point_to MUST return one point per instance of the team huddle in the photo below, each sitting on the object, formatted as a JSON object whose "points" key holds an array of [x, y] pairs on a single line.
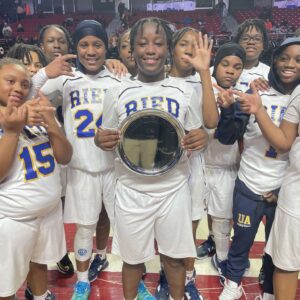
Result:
{"points": [[59, 129]]}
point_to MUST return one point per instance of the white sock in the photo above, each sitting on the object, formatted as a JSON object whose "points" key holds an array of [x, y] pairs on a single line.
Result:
{"points": [[41, 297], [189, 276], [232, 284], [83, 276], [210, 233], [102, 253], [267, 296]]}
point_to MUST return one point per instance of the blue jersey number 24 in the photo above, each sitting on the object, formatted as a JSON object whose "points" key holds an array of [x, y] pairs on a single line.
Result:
{"points": [[87, 118]]}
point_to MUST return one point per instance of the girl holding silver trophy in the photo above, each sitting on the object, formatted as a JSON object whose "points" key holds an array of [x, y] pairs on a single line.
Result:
{"points": [[149, 207]]}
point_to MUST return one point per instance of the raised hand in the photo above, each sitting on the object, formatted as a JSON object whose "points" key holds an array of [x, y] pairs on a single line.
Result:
{"points": [[60, 66], [225, 98], [116, 67], [201, 57], [249, 103], [13, 119], [107, 139]]}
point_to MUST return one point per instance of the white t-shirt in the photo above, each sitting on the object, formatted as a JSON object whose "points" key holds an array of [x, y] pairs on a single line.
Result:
{"points": [[32, 187], [82, 111], [289, 197], [248, 75], [171, 95], [261, 167]]}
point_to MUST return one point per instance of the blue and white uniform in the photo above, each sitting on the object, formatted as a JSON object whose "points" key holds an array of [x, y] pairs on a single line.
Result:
{"points": [[147, 207], [261, 171], [197, 175], [284, 241], [30, 202], [90, 175], [248, 75]]}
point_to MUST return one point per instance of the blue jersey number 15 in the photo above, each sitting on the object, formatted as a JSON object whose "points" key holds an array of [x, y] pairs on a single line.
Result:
{"points": [[39, 163]]}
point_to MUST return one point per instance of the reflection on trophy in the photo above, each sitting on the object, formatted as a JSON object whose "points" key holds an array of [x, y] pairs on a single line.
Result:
{"points": [[140, 142], [150, 142]]}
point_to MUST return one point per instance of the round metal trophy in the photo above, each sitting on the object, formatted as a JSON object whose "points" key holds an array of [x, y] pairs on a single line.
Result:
{"points": [[150, 142]]}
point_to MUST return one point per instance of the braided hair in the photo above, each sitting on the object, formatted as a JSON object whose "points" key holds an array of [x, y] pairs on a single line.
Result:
{"points": [[160, 23], [177, 36], [62, 28]]}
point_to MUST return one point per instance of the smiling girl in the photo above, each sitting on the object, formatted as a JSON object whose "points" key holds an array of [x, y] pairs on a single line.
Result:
{"points": [[152, 204], [90, 167], [261, 168], [284, 241]]}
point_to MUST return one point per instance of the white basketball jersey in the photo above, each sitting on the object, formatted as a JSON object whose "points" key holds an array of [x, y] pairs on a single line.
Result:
{"points": [[289, 197], [171, 95], [82, 111], [32, 187], [218, 155], [248, 75], [261, 167]]}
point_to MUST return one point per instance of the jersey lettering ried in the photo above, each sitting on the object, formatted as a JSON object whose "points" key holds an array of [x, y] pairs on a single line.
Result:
{"points": [[261, 167], [82, 110], [171, 95], [248, 75], [32, 187], [289, 199]]}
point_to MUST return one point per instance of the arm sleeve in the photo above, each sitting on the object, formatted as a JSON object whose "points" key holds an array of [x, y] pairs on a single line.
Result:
{"points": [[232, 124], [53, 89], [37, 81], [110, 114]]}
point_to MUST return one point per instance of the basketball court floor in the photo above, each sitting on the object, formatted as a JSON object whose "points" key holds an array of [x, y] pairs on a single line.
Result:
{"points": [[109, 284]]}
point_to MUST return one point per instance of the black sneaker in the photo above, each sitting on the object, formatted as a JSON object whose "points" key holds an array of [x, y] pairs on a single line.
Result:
{"points": [[65, 266], [191, 292], [50, 296], [220, 266], [261, 276], [162, 291], [207, 248], [96, 267], [29, 295]]}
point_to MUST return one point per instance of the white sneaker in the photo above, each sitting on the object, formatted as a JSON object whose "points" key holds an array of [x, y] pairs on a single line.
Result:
{"points": [[265, 296], [231, 291]]}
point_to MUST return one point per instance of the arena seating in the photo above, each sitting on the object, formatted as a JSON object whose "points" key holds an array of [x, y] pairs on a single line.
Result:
{"points": [[278, 15], [32, 24], [212, 21]]}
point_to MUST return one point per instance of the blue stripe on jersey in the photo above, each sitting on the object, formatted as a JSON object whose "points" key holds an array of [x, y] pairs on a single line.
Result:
{"points": [[71, 79], [108, 76], [174, 87]]}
